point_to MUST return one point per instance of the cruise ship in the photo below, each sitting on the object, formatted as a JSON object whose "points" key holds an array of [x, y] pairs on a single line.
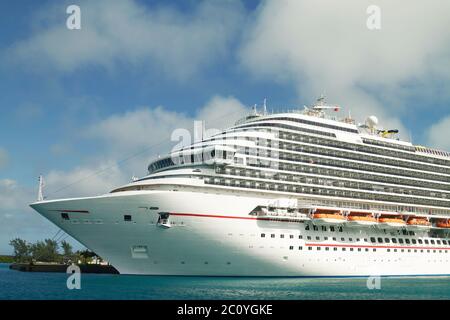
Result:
{"points": [[289, 194]]}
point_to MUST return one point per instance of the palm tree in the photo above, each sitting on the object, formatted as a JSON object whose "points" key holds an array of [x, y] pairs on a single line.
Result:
{"points": [[67, 251]]}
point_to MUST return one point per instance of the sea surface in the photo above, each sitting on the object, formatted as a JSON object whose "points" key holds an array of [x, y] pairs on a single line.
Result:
{"points": [[42, 286]]}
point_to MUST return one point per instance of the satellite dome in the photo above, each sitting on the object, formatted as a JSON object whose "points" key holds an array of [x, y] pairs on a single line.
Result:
{"points": [[372, 121]]}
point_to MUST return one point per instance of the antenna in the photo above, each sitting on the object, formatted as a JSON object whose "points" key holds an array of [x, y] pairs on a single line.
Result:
{"points": [[40, 190]]}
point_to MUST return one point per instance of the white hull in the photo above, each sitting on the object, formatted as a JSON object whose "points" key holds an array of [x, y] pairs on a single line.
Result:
{"points": [[328, 221], [213, 235], [391, 225], [358, 224], [418, 228]]}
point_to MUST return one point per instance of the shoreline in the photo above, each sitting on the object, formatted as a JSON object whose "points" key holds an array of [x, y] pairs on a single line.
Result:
{"points": [[62, 268]]}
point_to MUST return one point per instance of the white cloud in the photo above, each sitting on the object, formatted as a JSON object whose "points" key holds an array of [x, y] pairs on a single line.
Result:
{"points": [[130, 140], [128, 33], [325, 46], [4, 158], [439, 133], [83, 181], [17, 218]]}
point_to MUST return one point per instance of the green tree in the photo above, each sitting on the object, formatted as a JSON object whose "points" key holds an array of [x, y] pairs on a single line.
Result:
{"points": [[45, 251], [22, 250], [68, 254], [86, 256]]}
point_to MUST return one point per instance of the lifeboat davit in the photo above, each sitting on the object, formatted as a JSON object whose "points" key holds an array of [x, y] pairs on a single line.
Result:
{"points": [[443, 223], [328, 216], [391, 221], [361, 219], [418, 223]]}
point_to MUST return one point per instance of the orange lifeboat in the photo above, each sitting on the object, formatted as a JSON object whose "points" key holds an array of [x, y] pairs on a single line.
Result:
{"points": [[361, 219], [328, 216], [418, 223], [443, 223], [391, 221]]}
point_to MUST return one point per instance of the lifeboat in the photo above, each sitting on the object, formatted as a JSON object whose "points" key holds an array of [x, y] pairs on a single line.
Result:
{"points": [[361, 219], [418, 223], [443, 223], [328, 216], [391, 221]]}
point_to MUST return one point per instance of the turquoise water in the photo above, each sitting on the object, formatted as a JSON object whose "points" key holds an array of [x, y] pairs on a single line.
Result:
{"points": [[25, 285]]}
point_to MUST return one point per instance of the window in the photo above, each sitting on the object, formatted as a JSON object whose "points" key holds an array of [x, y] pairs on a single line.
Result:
{"points": [[291, 248], [394, 240], [316, 228], [307, 227], [263, 235], [281, 236], [387, 240], [400, 241], [291, 236], [300, 248], [127, 217], [414, 241], [317, 238], [372, 240], [332, 229], [300, 237], [272, 235], [65, 216], [324, 228], [380, 240], [420, 241], [426, 242], [438, 241]]}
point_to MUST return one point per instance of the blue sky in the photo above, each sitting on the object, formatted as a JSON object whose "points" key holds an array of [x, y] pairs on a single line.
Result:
{"points": [[74, 102]]}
